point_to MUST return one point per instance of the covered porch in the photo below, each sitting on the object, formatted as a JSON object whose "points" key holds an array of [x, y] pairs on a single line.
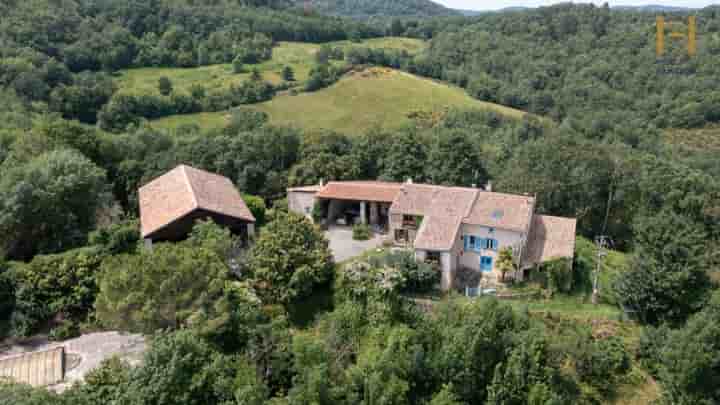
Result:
{"points": [[350, 212], [357, 202]]}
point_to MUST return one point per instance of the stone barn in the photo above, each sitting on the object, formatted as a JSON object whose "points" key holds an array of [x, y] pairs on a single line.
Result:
{"points": [[172, 203]]}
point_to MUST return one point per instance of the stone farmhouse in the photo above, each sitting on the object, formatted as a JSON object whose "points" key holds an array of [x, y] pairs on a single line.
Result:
{"points": [[171, 203], [455, 227]]}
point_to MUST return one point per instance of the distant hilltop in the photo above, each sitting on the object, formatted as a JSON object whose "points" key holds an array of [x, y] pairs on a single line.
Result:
{"points": [[649, 8]]}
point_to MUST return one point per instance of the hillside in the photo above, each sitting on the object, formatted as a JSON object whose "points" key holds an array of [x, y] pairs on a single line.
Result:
{"points": [[361, 100], [378, 8], [298, 55]]}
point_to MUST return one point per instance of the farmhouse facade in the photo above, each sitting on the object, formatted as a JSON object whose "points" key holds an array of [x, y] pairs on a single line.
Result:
{"points": [[171, 203], [455, 227]]}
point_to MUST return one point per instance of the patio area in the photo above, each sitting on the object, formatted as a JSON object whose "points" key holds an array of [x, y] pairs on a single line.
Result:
{"points": [[343, 247]]}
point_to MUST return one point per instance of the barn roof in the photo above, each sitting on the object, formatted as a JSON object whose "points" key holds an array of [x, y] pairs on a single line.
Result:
{"points": [[183, 190], [506, 211], [375, 191], [550, 238]]}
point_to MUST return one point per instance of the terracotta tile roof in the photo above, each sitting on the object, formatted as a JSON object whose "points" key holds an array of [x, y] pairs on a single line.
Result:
{"points": [[505, 211], [306, 189], [376, 191], [550, 238], [414, 199], [437, 233], [183, 190], [442, 208]]}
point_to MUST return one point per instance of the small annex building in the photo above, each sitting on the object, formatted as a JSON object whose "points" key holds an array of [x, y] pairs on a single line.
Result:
{"points": [[455, 227], [172, 203]]}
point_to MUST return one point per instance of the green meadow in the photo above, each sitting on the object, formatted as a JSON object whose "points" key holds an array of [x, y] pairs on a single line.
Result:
{"points": [[359, 101]]}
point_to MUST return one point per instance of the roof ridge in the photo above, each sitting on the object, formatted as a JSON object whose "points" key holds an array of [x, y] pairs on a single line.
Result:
{"points": [[183, 169], [471, 206]]}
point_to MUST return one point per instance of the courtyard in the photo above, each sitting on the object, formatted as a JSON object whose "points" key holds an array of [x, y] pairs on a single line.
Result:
{"points": [[343, 247]]}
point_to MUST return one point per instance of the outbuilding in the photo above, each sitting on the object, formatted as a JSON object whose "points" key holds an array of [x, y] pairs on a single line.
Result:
{"points": [[172, 203]]}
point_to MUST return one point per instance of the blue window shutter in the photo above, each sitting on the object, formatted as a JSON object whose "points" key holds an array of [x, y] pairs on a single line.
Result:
{"points": [[479, 242], [465, 240]]}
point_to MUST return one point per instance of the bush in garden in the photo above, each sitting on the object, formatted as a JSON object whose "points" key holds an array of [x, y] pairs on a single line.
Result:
{"points": [[419, 277], [361, 232]]}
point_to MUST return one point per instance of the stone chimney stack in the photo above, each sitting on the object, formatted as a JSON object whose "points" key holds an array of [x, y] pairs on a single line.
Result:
{"points": [[322, 182], [488, 186], [409, 180]]}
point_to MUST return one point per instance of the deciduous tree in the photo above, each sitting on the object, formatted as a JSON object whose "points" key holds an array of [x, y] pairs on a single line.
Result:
{"points": [[289, 259]]}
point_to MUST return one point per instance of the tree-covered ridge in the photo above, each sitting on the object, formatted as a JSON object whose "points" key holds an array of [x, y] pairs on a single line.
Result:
{"points": [[592, 66], [377, 8]]}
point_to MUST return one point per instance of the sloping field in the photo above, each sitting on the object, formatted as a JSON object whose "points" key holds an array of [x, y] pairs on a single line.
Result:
{"points": [[300, 56], [359, 101], [700, 139], [297, 55]]}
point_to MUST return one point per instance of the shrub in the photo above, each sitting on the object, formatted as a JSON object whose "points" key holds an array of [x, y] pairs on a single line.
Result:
{"points": [[7, 295], [418, 277], [649, 353], [257, 208], [66, 330], [62, 284], [165, 86], [317, 212], [603, 361], [361, 232], [559, 275], [117, 238]]}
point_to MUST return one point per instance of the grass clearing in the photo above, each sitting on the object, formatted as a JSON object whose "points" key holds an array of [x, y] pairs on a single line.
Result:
{"points": [[360, 101], [700, 139], [298, 55], [567, 306]]}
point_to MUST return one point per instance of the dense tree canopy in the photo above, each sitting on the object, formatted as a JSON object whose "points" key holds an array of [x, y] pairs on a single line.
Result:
{"points": [[49, 203], [597, 144]]}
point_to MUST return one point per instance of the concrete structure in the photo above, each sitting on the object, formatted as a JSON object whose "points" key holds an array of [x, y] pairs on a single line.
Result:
{"points": [[38, 369], [172, 203], [453, 227], [302, 199]]}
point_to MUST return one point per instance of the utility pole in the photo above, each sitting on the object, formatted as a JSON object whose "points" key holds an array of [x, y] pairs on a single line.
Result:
{"points": [[601, 243]]}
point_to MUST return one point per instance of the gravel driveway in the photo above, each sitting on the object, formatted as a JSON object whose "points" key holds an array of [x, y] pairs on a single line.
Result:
{"points": [[344, 247]]}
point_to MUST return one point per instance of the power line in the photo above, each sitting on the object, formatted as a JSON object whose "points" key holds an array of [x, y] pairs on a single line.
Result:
{"points": [[601, 242]]}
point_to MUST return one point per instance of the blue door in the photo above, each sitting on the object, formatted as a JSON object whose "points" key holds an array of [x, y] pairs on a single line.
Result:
{"points": [[486, 263]]}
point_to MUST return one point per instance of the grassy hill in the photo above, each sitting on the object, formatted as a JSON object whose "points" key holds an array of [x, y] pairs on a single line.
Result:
{"points": [[359, 101], [300, 56]]}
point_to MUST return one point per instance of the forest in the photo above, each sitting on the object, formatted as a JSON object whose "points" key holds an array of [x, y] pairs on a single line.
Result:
{"points": [[623, 141]]}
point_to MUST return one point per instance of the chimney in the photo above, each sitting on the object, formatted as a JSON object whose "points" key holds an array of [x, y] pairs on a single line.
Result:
{"points": [[322, 182], [474, 185], [488, 186], [409, 180]]}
